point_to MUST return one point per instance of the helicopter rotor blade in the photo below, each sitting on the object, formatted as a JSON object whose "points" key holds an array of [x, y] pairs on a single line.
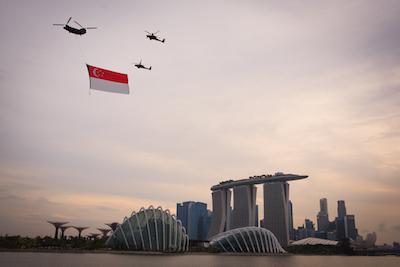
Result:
{"points": [[68, 20], [90, 28], [78, 24], [147, 32], [156, 32], [57, 24]]}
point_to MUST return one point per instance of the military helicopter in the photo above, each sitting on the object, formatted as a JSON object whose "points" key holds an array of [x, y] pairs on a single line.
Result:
{"points": [[152, 36], [140, 66], [73, 30]]}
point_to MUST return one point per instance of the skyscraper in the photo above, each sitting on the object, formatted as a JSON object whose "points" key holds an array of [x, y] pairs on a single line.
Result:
{"points": [[309, 226], [341, 208], [191, 214], [290, 219], [276, 199], [322, 217], [204, 226], [350, 227], [244, 206], [340, 220], [275, 204], [340, 228], [221, 202], [323, 205], [182, 210]]}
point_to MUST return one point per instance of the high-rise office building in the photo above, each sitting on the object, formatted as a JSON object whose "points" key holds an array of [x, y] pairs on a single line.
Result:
{"points": [[276, 200], [309, 226], [300, 233], [350, 227], [341, 220], [191, 214], [323, 206], [204, 226], [304, 231], [182, 211], [341, 208], [322, 217], [322, 222], [340, 228], [290, 219]]}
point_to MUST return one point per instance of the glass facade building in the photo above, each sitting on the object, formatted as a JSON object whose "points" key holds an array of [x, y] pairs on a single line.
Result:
{"points": [[205, 224], [152, 229], [350, 227], [194, 216], [247, 240], [341, 208], [323, 217]]}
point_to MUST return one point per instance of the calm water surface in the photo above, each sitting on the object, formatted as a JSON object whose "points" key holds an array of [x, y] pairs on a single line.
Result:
{"points": [[98, 260]]}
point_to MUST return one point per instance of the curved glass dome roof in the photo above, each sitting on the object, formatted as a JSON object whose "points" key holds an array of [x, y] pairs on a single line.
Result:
{"points": [[150, 230], [250, 239]]}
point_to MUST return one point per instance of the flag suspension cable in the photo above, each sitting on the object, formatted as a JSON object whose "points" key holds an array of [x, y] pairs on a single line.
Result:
{"points": [[83, 57], [105, 80], [81, 50]]}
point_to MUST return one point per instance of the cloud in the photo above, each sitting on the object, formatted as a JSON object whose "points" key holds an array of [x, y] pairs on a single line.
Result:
{"points": [[78, 209], [268, 86]]}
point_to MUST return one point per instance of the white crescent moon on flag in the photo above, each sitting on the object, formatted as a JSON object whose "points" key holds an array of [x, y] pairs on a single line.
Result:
{"points": [[107, 80], [95, 72]]}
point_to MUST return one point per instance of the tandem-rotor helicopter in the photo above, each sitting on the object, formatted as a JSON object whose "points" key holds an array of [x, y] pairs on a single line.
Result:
{"points": [[152, 36], [78, 31], [140, 66]]}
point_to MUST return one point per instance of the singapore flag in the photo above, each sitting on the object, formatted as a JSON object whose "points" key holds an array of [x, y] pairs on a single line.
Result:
{"points": [[107, 80]]}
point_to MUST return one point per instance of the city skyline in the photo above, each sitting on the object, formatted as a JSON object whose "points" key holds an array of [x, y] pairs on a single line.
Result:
{"points": [[196, 219], [267, 87]]}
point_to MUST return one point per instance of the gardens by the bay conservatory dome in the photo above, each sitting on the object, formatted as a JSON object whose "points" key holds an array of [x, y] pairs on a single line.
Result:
{"points": [[250, 239], [151, 229]]}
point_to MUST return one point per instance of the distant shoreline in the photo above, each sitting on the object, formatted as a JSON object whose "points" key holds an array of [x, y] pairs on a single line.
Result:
{"points": [[149, 253], [100, 251], [83, 251]]}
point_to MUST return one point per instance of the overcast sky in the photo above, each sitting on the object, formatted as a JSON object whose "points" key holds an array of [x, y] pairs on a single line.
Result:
{"points": [[239, 88]]}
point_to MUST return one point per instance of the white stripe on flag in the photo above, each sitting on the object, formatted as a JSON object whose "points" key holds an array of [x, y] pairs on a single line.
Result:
{"points": [[109, 86]]}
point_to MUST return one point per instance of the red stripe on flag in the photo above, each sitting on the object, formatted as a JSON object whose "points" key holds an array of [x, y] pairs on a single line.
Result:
{"points": [[99, 73]]}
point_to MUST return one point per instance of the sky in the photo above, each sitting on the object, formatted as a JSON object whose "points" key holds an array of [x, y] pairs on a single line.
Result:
{"points": [[239, 88]]}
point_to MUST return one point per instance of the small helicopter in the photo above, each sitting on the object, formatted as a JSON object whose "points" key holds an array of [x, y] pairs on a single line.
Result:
{"points": [[140, 66], [152, 36], [73, 30]]}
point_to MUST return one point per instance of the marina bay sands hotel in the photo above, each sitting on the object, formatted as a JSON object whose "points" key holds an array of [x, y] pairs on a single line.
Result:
{"points": [[243, 214]]}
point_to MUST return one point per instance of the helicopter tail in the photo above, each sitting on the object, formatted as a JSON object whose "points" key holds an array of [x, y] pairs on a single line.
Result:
{"points": [[163, 41], [150, 68]]}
